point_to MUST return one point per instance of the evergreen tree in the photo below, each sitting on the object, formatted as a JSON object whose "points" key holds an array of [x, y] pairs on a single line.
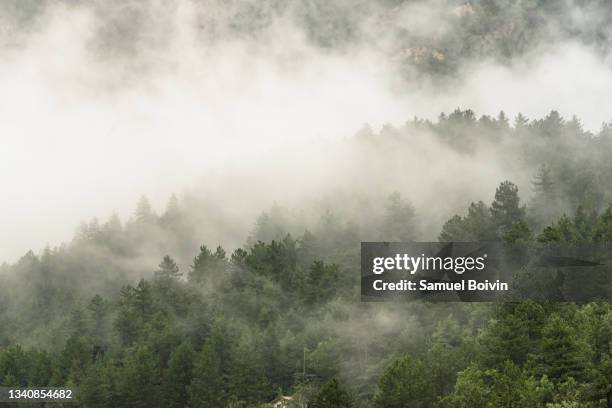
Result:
{"points": [[584, 224], [322, 282], [563, 353], [506, 208], [332, 395], [178, 376], [98, 311], [513, 334], [447, 355], [168, 269], [551, 125], [477, 225], [545, 205], [406, 383], [209, 384], [399, 220], [471, 390], [520, 122], [247, 380], [172, 217], [518, 232], [454, 230], [208, 264], [507, 386], [542, 183], [603, 228], [144, 213], [503, 123], [126, 323], [141, 379]]}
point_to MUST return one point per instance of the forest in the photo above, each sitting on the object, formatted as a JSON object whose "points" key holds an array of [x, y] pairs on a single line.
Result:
{"points": [[291, 131], [280, 316]]}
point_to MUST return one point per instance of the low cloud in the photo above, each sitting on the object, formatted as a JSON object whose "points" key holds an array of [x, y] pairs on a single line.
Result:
{"points": [[96, 113]]}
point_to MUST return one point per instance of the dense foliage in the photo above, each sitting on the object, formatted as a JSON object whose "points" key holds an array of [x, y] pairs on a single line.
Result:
{"points": [[281, 315]]}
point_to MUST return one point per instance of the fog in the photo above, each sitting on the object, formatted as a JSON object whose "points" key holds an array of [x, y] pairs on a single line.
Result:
{"points": [[104, 103]]}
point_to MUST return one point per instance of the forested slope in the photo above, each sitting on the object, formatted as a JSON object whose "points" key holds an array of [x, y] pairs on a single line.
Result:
{"points": [[114, 316]]}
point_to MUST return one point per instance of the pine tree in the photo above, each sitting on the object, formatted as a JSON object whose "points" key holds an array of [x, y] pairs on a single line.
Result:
{"points": [[478, 222], [502, 122], [455, 230], [144, 214], [209, 385], [584, 224], [406, 383], [447, 355], [542, 183], [206, 264], [520, 122], [506, 208], [518, 232], [544, 206], [168, 269], [113, 226], [513, 334], [98, 312], [603, 229], [551, 125], [321, 282], [247, 380], [471, 390], [399, 220], [505, 386], [178, 376], [143, 299], [332, 395], [562, 354], [477, 225], [141, 379], [127, 323]]}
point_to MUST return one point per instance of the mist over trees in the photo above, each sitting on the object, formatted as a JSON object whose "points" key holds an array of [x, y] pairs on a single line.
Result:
{"points": [[139, 313], [403, 29], [244, 288], [186, 93]]}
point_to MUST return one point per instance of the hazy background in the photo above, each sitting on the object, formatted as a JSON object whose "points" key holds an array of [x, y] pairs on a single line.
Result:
{"points": [[105, 101]]}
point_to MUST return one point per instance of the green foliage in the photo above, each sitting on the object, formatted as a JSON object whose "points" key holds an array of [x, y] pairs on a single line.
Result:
{"points": [[184, 344], [513, 334], [276, 260], [562, 354], [582, 227], [506, 386], [504, 219], [506, 209], [140, 379], [450, 351], [206, 264], [406, 383], [279, 315], [178, 375], [477, 225], [519, 232], [168, 269], [322, 281], [332, 395], [210, 384]]}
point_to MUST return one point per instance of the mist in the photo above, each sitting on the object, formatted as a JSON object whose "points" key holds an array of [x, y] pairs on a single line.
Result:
{"points": [[186, 185], [103, 104]]}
